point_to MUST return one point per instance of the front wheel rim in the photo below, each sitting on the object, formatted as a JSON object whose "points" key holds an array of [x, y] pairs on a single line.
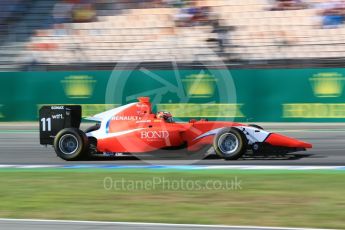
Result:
{"points": [[228, 143], [68, 144]]}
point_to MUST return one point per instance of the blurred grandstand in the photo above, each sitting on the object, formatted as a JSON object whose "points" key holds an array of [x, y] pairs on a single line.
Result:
{"points": [[96, 34]]}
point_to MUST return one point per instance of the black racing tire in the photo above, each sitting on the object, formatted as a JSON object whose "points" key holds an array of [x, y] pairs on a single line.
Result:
{"points": [[256, 126], [71, 144], [230, 143]]}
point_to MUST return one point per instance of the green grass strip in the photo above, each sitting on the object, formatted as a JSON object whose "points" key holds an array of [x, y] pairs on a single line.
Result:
{"points": [[270, 198]]}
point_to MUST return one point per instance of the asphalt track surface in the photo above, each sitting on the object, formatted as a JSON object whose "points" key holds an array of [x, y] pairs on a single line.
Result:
{"points": [[19, 144], [12, 224]]}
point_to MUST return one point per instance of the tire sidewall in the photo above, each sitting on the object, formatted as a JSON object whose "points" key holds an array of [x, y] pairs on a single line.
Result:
{"points": [[82, 144], [242, 144]]}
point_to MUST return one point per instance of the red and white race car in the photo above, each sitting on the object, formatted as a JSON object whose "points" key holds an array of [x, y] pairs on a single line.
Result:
{"points": [[134, 128]]}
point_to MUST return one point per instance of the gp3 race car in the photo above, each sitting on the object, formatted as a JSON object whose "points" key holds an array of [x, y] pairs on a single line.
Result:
{"points": [[135, 129]]}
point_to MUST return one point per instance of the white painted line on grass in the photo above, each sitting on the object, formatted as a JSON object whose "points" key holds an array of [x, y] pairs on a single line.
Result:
{"points": [[150, 224]]}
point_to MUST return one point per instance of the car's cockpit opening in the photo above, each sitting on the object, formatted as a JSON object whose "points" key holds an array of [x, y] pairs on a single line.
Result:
{"points": [[166, 116]]}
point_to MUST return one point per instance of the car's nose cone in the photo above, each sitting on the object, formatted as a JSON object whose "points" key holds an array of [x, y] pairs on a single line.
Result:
{"points": [[284, 141]]}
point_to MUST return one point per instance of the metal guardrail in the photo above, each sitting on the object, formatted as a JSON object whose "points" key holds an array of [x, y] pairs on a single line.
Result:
{"points": [[230, 64]]}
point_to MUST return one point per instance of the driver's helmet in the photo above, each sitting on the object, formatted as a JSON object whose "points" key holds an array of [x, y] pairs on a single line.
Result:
{"points": [[166, 116]]}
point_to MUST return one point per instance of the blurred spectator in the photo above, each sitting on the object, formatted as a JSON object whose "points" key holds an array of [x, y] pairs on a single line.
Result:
{"points": [[11, 10], [141, 4], [84, 12], [174, 3], [185, 15], [288, 5], [73, 11], [222, 32], [192, 15], [202, 17], [332, 13], [62, 12]]}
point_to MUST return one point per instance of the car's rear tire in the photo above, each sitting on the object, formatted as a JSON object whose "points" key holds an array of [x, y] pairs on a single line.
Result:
{"points": [[71, 144], [230, 143]]}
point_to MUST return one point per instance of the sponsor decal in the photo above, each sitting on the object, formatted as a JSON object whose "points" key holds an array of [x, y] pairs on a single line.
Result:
{"points": [[57, 107], [314, 110], [57, 116], [202, 110], [88, 109], [325, 85], [79, 86], [144, 121], [154, 134], [200, 85], [126, 118], [329, 84], [141, 106]]}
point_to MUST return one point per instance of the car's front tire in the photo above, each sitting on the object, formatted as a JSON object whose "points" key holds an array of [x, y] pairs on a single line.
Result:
{"points": [[230, 143], [71, 144]]}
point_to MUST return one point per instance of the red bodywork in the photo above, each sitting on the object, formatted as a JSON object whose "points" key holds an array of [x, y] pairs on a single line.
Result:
{"points": [[136, 129]]}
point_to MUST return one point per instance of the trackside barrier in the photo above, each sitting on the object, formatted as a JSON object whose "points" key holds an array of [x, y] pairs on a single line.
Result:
{"points": [[276, 95]]}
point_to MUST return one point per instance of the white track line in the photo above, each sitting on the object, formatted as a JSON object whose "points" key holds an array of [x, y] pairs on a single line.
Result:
{"points": [[176, 167], [149, 224]]}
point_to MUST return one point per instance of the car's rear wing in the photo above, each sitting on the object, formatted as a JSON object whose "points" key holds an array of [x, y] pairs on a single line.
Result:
{"points": [[54, 118]]}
